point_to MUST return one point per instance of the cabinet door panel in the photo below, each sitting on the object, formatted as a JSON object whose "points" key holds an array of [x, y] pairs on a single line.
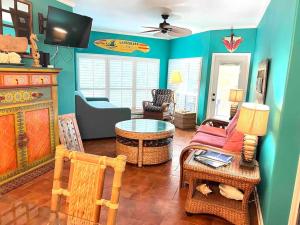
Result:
{"points": [[8, 148], [38, 134]]}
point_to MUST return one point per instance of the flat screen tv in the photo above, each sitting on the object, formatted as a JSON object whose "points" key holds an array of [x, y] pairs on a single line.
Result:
{"points": [[67, 28]]}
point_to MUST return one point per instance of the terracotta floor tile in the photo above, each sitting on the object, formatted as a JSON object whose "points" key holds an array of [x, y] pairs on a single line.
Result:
{"points": [[150, 195]]}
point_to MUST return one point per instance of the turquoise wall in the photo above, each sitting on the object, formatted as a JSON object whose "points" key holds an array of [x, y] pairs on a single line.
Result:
{"points": [[279, 150], [64, 60], [159, 49], [204, 45]]}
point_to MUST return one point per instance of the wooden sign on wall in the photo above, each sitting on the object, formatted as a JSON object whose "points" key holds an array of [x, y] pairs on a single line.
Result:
{"points": [[122, 45]]}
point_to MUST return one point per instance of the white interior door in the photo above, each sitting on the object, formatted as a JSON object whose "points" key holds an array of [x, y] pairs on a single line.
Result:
{"points": [[228, 71]]}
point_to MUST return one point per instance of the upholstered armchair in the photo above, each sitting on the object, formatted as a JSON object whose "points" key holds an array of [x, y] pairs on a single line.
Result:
{"points": [[162, 107]]}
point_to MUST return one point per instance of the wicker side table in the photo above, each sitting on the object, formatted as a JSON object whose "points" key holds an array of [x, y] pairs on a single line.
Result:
{"points": [[185, 120], [234, 211]]}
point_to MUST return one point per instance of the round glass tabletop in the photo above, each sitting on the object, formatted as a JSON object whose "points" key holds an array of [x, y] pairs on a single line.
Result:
{"points": [[145, 126]]}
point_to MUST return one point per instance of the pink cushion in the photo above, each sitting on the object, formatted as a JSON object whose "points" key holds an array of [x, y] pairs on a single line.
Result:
{"points": [[208, 139], [216, 131], [232, 124], [234, 142]]}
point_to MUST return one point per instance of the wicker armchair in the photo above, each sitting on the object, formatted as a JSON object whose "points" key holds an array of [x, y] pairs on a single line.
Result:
{"points": [[162, 107], [87, 173]]}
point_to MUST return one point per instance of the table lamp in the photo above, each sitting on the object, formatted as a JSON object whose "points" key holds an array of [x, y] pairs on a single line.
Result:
{"points": [[253, 122], [235, 96], [176, 79]]}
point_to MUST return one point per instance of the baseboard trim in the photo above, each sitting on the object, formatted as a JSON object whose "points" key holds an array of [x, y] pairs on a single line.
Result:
{"points": [[258, 208]]}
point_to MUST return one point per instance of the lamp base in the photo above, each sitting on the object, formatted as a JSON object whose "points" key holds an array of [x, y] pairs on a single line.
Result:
{"points": [[248, 165], [233, 109], [249, 152]]}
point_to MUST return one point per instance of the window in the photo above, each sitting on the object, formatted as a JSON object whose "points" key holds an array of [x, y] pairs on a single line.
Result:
{"points": [[187, 92], [126, 81]]}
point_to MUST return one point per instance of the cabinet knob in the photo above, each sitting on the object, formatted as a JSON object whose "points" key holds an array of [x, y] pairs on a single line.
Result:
{"points": [[42, 80], [17, 80]]}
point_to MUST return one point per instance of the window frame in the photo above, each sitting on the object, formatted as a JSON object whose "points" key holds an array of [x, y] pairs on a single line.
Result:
{"points": [[107, 88], [199, 78]]}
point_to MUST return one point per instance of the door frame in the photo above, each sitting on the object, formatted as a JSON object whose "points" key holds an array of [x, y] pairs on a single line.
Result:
{"points": [[296, 198], [226, 57]]}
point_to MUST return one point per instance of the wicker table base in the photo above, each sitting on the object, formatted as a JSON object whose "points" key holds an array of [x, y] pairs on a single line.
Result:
{"points": [[145, 148], [234, 211]]}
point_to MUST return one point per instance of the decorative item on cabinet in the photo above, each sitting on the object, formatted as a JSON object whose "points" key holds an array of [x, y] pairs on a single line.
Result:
{"points": [[28, 124], [35, 51]]}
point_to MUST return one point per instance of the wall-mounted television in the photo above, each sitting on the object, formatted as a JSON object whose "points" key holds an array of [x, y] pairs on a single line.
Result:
{"points": [[67, 28]]}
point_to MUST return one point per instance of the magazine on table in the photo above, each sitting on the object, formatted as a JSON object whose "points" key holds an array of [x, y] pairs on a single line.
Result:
{"points": [[212, 158]]}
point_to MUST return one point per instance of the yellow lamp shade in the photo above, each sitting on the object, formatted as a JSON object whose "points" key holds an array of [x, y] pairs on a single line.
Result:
{"points": [[176, 78], [253, 119], [236, 95]]}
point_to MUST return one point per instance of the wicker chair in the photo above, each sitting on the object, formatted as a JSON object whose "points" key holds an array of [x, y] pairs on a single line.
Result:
{"points": [[69, 134], [162, 107], [87, 173]]}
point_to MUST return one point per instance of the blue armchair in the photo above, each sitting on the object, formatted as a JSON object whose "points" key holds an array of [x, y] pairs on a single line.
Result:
{"points": [[96, 117]]}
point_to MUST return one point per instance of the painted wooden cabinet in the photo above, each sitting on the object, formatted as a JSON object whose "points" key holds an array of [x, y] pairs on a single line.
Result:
{"points": [[28, 124]]}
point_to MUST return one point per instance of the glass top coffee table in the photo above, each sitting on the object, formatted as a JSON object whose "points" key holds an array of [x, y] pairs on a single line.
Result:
{"points": [[145, 141]]}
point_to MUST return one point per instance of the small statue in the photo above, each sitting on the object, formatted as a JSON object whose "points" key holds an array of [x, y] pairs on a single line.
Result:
{"points": [[35, 51]]}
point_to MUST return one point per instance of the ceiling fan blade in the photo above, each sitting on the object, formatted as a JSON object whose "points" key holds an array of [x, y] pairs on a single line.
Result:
{"points": [[160, 34], [179, 30], [149, 31], [152, 28], [174, 34]]}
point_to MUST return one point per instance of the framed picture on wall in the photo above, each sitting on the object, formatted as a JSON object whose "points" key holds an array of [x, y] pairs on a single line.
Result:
{"points": [[262, 81]]}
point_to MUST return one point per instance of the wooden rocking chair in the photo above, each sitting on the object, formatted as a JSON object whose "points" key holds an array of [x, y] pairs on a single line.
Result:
{"points": [[86, 187]]}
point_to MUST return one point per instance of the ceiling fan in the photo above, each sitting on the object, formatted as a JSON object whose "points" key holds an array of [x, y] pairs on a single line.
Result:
{"points": [[165, 29]]}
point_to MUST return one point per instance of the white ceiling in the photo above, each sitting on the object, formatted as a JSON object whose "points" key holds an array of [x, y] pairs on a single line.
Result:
{"points": [[128, 16]]}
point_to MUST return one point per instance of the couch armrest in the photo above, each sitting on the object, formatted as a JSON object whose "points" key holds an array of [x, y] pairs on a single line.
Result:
{"points": [[97, 99], [215, 123]]}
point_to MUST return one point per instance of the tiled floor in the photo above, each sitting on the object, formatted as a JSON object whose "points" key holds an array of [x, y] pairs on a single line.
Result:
{"points": [[149, 196]]}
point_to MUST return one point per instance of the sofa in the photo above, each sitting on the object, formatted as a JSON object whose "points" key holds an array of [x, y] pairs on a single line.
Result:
{"points": [[213, 134], [96, 117], [220, 134]]}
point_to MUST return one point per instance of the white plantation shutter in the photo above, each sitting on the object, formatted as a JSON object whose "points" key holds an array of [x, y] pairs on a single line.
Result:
{"points": [[187, 92], [147, 78], [120, 85], [126, 81], [91, 73]]}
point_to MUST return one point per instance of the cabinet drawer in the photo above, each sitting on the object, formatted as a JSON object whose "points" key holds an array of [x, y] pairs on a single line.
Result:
{"points": [[15, 80], [40, 79]]}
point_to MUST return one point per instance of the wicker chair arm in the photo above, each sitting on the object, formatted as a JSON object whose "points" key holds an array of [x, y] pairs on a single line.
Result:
{"points": [[215, 123]]}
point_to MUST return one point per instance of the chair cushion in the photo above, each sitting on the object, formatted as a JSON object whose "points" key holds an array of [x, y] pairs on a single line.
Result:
{"points": [[234, 142], [208, 139], [232, 124], [216, 131], [153, 108]]}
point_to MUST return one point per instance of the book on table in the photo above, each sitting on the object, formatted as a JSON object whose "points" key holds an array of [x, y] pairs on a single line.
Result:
{"points": [[212, 158]]}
